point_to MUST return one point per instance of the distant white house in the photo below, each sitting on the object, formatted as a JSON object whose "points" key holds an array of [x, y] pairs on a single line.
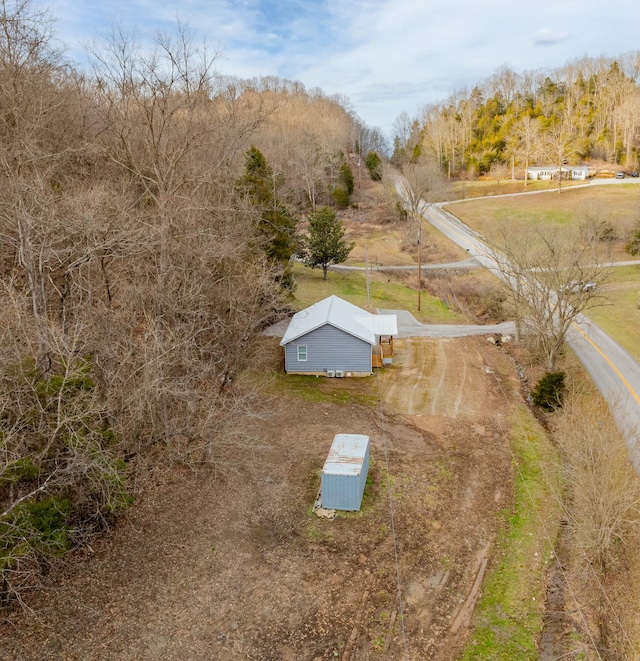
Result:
{"points": [[548, 172]]}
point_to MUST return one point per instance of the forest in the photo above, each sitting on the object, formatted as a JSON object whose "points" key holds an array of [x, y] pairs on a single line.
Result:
{"points": [[144, 245], [586, 111]]}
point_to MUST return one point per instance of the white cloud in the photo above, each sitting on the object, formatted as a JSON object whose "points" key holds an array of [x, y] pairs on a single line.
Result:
{"points": [[546, 37]]}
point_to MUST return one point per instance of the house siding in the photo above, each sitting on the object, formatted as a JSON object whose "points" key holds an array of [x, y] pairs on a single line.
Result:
{"points": [[579, 173], [328, 348]]}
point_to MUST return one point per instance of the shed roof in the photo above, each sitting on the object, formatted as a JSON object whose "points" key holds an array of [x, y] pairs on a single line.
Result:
{"points": [[343, 315], [346, 455]]}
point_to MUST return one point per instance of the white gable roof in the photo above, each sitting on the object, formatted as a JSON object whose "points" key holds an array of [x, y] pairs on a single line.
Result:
{"points": [[341, 314]]}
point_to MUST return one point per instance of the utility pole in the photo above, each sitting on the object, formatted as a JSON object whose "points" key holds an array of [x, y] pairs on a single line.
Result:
{"points": [[366, 270], [419, 260]]}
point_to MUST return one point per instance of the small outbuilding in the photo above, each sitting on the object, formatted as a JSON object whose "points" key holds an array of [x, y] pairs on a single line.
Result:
{"points": [[345, 471], [336, 338]]}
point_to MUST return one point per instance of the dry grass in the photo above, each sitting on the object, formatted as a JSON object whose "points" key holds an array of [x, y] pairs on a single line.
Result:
{"points": [[621, 318], [603, 491], [618, 205], [394, 244], [615, 204]]}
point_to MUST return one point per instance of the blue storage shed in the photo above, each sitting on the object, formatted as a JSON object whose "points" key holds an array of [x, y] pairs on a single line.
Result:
{"points": [[345, 472]]}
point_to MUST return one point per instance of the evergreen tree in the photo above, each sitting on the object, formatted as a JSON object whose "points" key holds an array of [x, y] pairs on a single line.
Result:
{"points": [[342, 192], [325, 243], [374, 165], [549, 391], [346, 178], [277, 226]]}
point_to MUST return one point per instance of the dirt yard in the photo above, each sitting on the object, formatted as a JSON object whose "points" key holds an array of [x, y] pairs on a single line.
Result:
{"points": [[236, 566]]}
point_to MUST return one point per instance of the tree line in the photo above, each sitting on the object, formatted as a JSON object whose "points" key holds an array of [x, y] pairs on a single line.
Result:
{"points": [[148, 211], [587, 110]]}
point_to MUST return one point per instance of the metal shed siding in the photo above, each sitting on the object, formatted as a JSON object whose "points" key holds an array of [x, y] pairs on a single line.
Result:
{"points": [[343, 489], [329, 348]]}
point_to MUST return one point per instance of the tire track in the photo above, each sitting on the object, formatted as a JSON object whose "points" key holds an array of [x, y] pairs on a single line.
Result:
{"points": [[441, 367], [461, 390], [416, 399]]}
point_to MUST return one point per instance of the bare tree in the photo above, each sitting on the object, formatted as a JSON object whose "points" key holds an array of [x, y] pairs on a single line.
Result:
{"points": [[173, 133], [603, 510], [420, 185], [526, 147], [551, 278], [402, 129], [61, 472], [560, 146], [628, 120]]}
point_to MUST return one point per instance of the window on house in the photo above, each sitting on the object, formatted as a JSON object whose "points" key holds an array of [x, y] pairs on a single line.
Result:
{"points": [[302, 352]]}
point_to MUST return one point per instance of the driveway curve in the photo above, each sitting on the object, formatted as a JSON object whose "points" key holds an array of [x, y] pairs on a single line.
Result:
{"points": [[409, 326]]}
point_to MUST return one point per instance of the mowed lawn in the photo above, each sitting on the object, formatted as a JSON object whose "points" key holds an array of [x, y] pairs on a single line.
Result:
{"points": [[617, 204], [619, 315], [384, 292]]}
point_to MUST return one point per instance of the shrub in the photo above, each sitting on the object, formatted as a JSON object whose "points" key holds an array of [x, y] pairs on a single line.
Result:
{"points": [[341, 197], [549, 391], [374, 165], [633, 245]]}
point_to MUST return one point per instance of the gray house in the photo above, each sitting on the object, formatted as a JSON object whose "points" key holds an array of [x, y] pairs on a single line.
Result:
{"points": [[336, 338]]}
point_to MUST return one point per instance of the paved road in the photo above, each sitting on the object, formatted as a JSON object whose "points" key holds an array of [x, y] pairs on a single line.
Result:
{"points": [[592, 182], [463, 264], [613, 370], [409, 326]]}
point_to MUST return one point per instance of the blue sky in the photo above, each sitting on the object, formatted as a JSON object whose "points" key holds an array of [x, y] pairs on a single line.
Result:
{"points": [[386, 56]]}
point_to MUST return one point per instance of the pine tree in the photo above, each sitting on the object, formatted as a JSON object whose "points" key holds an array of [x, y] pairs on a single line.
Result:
{"points": [[277, 226], [325, 243], [374, 165]]}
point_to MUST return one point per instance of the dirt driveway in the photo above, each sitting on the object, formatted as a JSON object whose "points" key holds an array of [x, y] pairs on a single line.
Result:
{"points": [[235, 566]]}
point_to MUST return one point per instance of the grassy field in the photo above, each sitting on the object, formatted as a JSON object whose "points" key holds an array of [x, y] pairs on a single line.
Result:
{"points": [[383, 293], [620, 318], [395, 245], [483, 188], [618, 204]]}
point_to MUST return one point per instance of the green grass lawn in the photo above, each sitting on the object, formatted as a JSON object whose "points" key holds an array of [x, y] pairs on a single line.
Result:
{"points": [[620, 318], [384, 293], [508, 618]]}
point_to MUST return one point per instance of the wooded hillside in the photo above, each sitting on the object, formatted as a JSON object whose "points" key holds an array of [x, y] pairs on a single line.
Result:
{"points": [[586, 110], [136, 268]]}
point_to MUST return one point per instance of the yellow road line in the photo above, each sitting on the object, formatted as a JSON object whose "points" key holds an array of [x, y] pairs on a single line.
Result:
{"points": [[627, 385]]}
